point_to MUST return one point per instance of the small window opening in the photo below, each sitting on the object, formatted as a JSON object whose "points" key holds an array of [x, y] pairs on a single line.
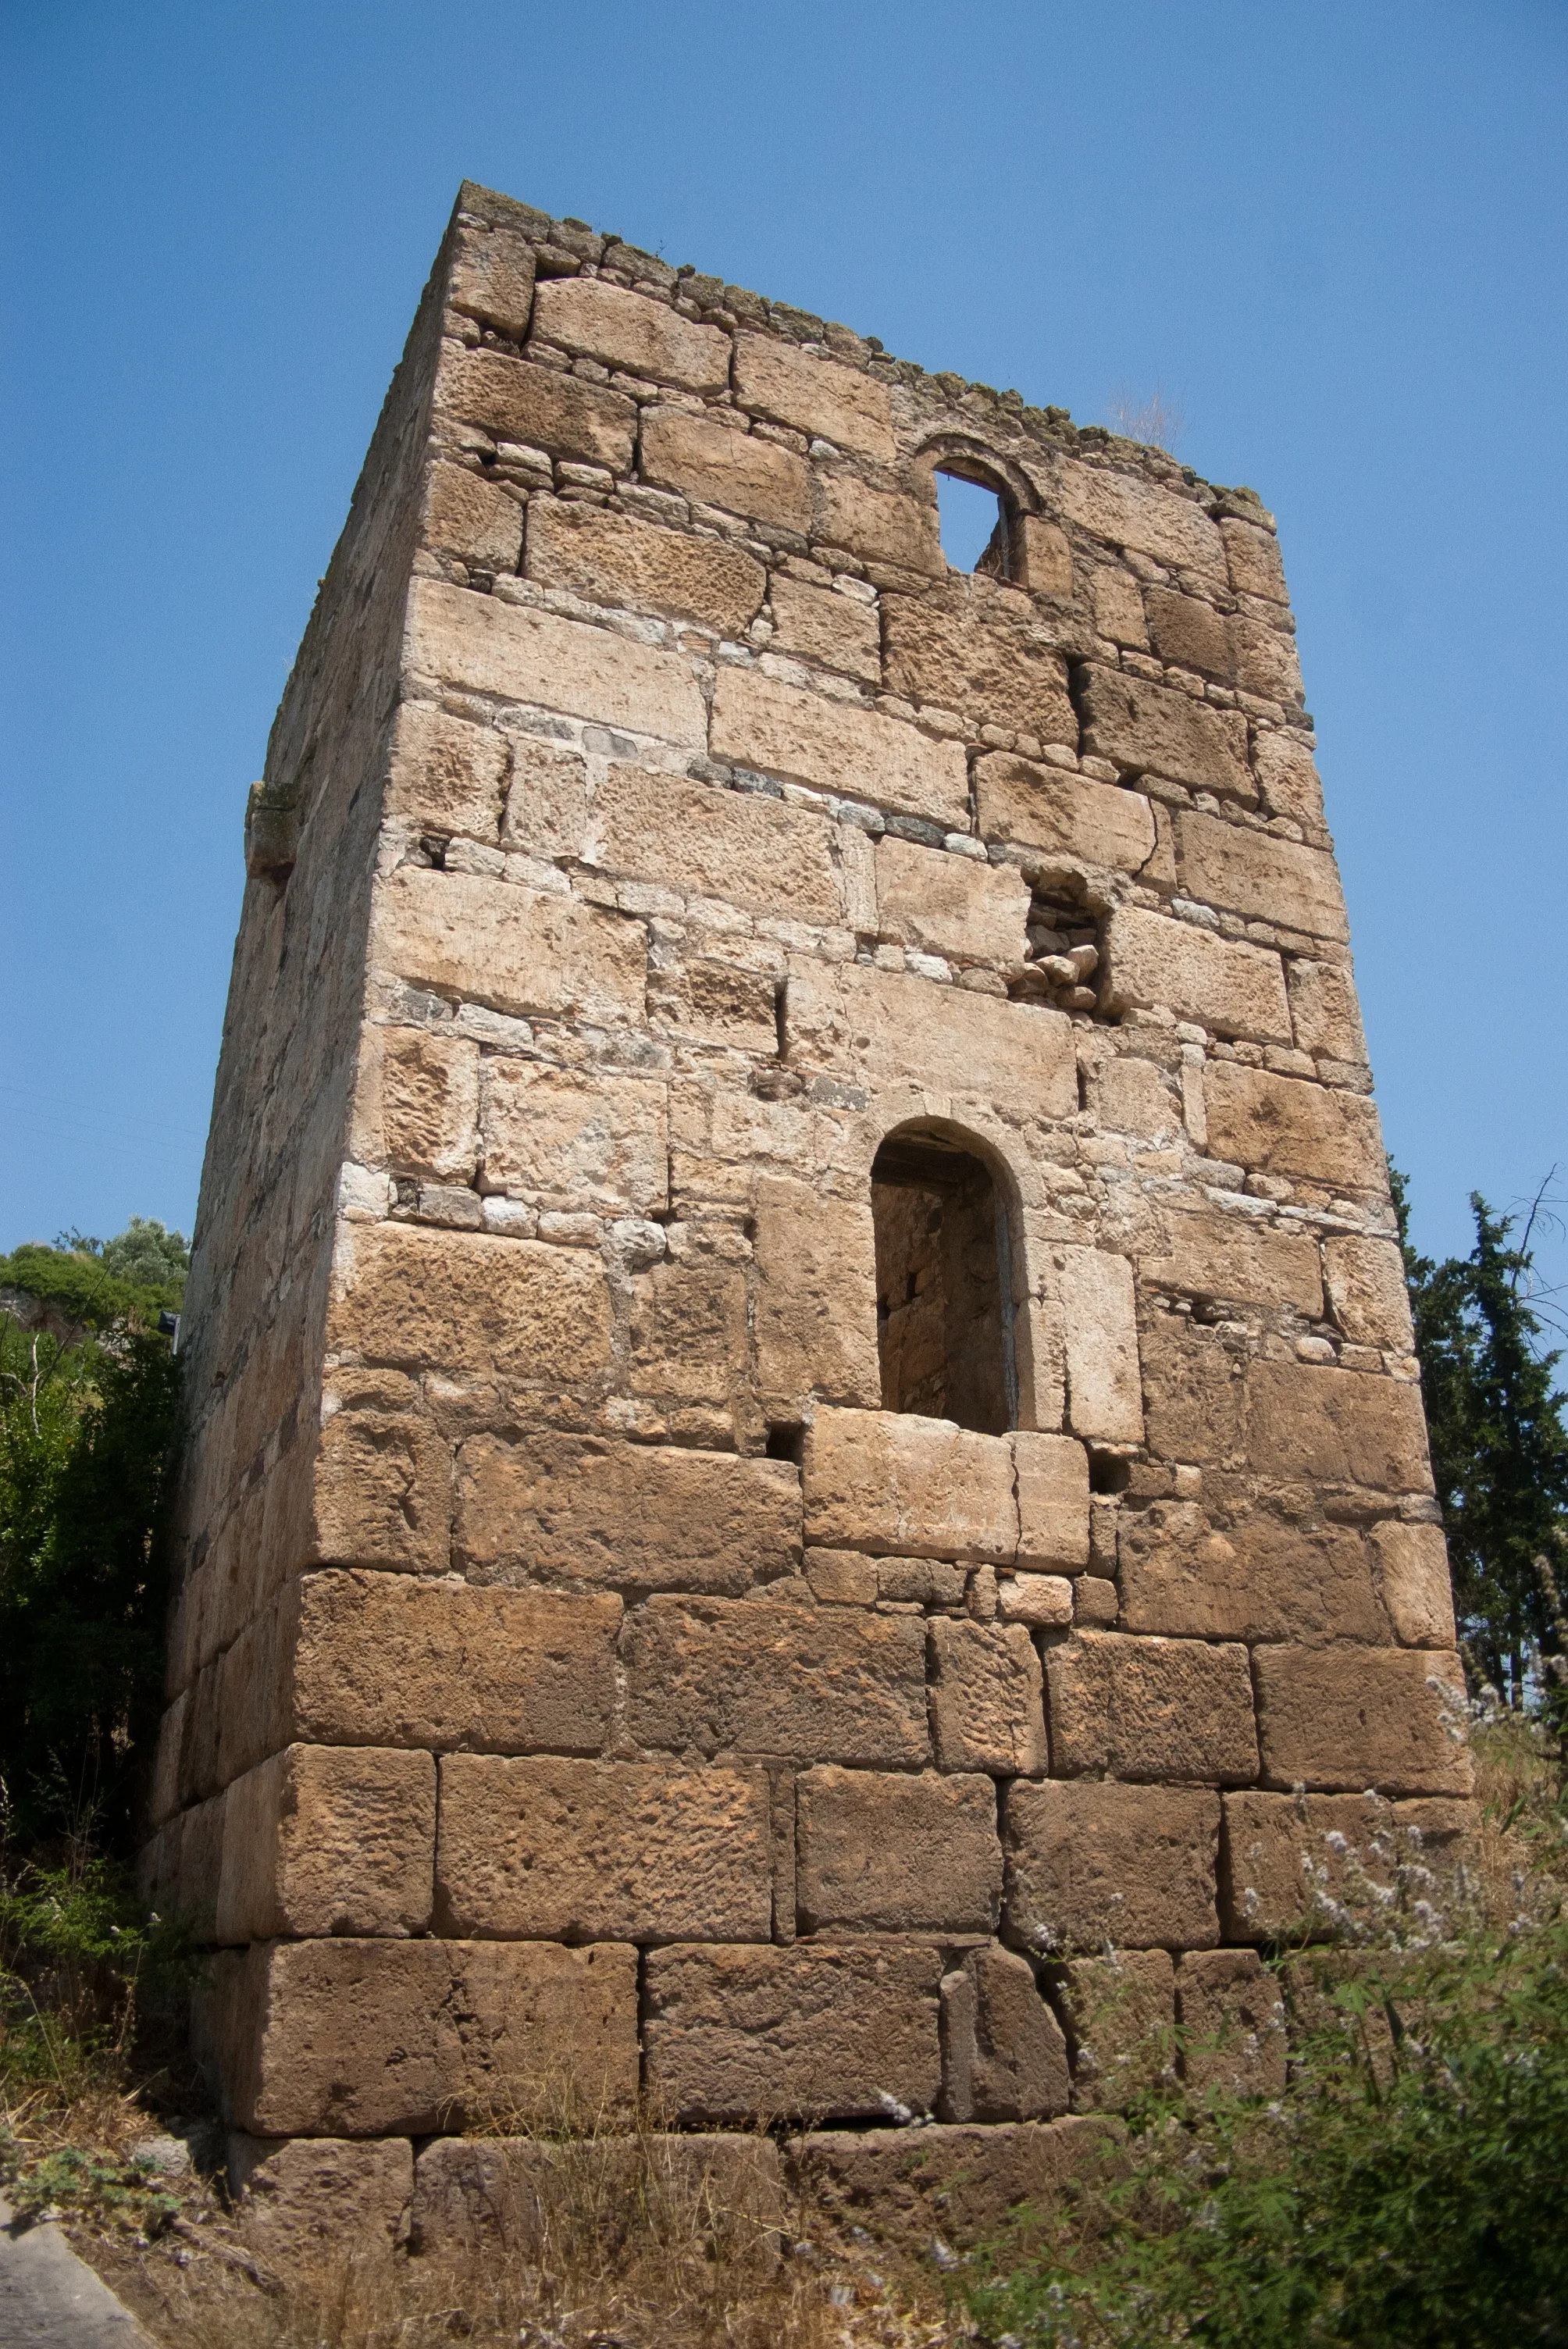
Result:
{"points": [[944, 1284], [973, 526]]}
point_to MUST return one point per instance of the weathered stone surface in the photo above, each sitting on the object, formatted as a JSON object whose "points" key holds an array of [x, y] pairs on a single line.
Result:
{"points": [[1252, 555], [688, 1336], [473, 518], [913, 1487], [540, 408], [464, 1302], [1097, 824], [322, 1839], [445, 773], [544, 1849], [1231, 2017], [1189, 633], [1052, 1483], [1367, 1290], [884, 1030], [631, 331], [304, 2199], [1238, 1256], [492, 277], [1090, 1863], [1336, 1427], [887, 1852], [383, 1493], [1197, 1400], [1148, 730], [491, 942], [1235, 989], [1151, 1707], [721, 466], [1043, 1601], [745, 1677], [815, 1301], [1254, 1576], [827, 2029], [1252, 873], [760, 721], [950, 904], [983, 655], [1126, 510], [1100, 1332], [737, 846], [815, 624], [883, 525], [1280, 1125], [587, 1511], [1288, 1862], [817, 396], [422, 1092], [1287, 778], [1324, 1012], [1393, 1718], [576, 1138], [614, 559], [375, 2038], [480, 2196], [1131, 1095], [1413, 1581], [1004, 2057], [386, 1659], [519, 653], [547, 800], [964, 2186], [1121, 2011], [1267, 663], [986, 1703]]}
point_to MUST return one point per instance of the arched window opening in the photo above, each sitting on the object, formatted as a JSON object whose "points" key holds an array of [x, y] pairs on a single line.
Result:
{"points": [[975, 533], [944, 1284]]}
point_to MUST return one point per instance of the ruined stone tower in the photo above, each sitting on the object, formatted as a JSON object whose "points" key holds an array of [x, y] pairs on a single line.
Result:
{"points": [[801, 1401]]}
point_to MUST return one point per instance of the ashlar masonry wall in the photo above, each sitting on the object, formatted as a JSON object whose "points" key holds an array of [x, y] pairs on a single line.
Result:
{"points": [[581, 1683]]}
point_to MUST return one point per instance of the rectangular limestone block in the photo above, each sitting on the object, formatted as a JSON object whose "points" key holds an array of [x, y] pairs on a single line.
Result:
{"points": [[1253, 557], [814, 1301], [519, 2197], [964, 2186], [301, 2200], [1149, 729], [466, 1301], [835, 2030], [574, 1139], [416, 1106], [546, 808], [386, 1659], [615, 559], [631, 332], [322, 1839], [1231, 2018], [739, 847], [719, 465], [1289, 1863], [200, 1865], [1100, 1332], [382, 1494], [490, 941], [1366, 1290], [479, 521], [446, 775], [1132, 1095], [748, 1677], [1188, 633], [1126, 510], [1041, 807], [1414, 1582], [1240, 1257], [587, 1510], [911, 1487], [519, 653], [1090, 1863], [986, 1712], [539, 407], [368, 2038], [1052, 1473], [1284, 1125], [548, 1849], [1267, 662], [1288, 778], [1220, 983], [1348, 1717], [1336, 1427], [983, 655], [817, 396], [1121, 2011], [492, 277], [1151, 1707], [1004, 2055], [890, 1852], [949, 905], [760, 721], [1247, 872], [880, 525], [883, 1029], [817, 624], [1256, 1576]]}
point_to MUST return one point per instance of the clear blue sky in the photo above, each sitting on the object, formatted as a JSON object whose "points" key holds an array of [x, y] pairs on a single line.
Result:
{"points": [[1333, 232]]}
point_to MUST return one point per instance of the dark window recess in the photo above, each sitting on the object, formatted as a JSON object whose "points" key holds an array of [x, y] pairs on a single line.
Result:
{"points": [[944, 1284], [974, 532]]}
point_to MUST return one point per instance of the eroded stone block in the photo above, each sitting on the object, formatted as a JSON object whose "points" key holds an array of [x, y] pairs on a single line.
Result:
{"points": [[758, 721], [1151, 1707], [1392, 1718], [615, 559], [323, 1839], [1232, 988], [1003, 2054], [887, 1852], [631, 331], [817, 396], [1091, 1862], [915, 1487]]}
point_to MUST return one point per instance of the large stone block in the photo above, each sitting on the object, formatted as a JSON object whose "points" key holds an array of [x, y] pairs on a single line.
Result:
{"points": [[887, 1030], [949, 905], [445, 774], [1052, 1483], [1099, 1331], [1151, 1707], [736, 847], [1190, 634], [492, 277], [383, 1493], [1127, 510], [1252, 873], [817, 625], [981, 654], [835, 2030], [1090, 1863], [688, 1330], [478, 520], [632, 332], [539, 407], [512, 2198], [576, 1138], [419, 1095], [1252, 1576], [1234, 989], [1282, 1125], [887, 1852], [465, 1301], [986, 1712], [1267, 663], [612, 558], [748, 1677], [1289, 1863], [1367, 1290], [910, 1487], [547, 800], [376, 2038], [814, 1306], [760, 721], [519, 653], [1196, 1397], [1231, 2018], [547, 1849], [1252, 555], [883, 525], [964, 2186], [585, 1510], [1324, 1012], [303, 2200], [1149, 729], [323, 1839], [1238, 1256], [1414, 1584], [1004, 2057], [490, 942], [1041, 807], [1392, 1718], [1121, 2011], [1336, 1427], [719, 465], [816, 396]]}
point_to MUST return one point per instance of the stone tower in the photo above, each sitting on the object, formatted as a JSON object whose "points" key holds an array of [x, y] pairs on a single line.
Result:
{"points": [[801, 1404]]}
